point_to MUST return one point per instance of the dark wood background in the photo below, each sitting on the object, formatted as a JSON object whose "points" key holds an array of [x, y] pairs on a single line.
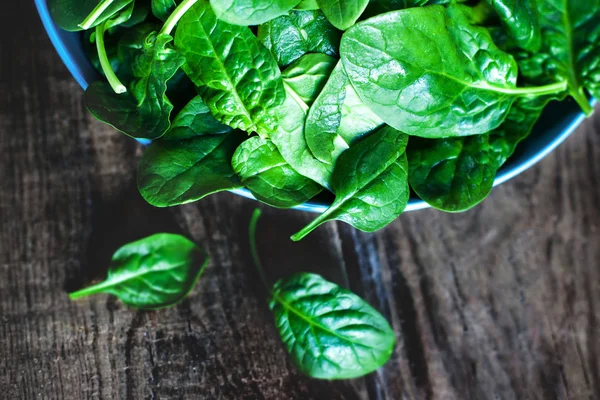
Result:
{"points": [[502, 302]]}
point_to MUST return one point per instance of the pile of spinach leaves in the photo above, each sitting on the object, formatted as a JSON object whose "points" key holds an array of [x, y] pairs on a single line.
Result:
{"points": [[372, 101]]}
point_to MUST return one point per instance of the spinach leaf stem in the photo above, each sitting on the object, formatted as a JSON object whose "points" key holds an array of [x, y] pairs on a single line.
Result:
{"points": [[254, 251], [174, 18], [95, 14], [112, 78]]}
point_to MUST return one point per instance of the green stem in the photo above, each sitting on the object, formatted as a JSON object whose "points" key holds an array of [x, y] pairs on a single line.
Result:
{"points": [[253, 250], [583, 101], [553, 88], [99, 288], [113, 80], [176, 16], [95, 14], [313, 225]]}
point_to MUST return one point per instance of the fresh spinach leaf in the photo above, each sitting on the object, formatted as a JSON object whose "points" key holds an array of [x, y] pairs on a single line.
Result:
{"points": [[194, 120], [337, 118], [71, 14], [291, 36], [270, 179], [343, 13], [308, 75], [456, 174], [239, 79], [521, 20], [291, 142], [570, 48], [370, 182], [439, 77], [251, 12], [155, 272], [179, 172], [143, 111], [329, 332]]}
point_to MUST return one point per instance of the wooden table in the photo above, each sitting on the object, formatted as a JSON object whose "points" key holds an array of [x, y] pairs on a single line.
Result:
{"points": [[502, 302]]}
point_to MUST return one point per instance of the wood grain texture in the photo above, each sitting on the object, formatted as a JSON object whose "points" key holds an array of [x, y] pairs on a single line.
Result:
{"points": [[502, 302]]}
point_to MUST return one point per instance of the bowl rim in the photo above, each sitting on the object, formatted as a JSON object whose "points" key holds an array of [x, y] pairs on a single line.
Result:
{"points": [[506, 172]]}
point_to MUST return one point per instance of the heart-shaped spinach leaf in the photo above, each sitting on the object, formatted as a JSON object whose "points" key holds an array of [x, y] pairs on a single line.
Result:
{"points": [[155, 272], [329, 332]]}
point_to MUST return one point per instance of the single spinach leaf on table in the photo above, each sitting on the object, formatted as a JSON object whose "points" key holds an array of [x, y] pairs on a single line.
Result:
{"points": [[521, 20], [194, 120], [308, 75], [291, 36], [239, 79], [143, 111], [154, 272], [343, 13], [251, 12], [180, 172], [440, 77], [570, 48], [269, 177], [370, 182], [69, 14], [329, 332], [456, 174]]}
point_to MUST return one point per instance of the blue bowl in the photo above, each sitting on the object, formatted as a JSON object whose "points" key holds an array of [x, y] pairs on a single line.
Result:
{"points": [[555, 125]]}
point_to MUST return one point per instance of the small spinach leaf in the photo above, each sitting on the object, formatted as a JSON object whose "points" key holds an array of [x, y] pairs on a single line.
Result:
{"points": [[291, 36], [239, 79], [455, 174], [343, 13], [251, 12], [270, 179], [291, 142], [193, 120], [329, 332], [370, 182], [179, 172], [155, 272], [143, 111], [308, 75]]}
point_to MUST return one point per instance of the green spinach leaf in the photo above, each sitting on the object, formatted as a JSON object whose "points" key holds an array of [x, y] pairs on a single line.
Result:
{"points": [[179, 172], [251, 12], [330, 332], [456, 174], [291, 36], [144, 111], [307, 5], [343, 13], [439, 77], [270, 179], [155, 272], [194, 120], [308, 75], [570, 43], [370, 182], [291, 142], [239, 79]]}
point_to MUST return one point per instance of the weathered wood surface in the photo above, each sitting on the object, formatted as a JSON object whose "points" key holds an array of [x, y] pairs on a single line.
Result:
{"points": [[502, 302]]}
